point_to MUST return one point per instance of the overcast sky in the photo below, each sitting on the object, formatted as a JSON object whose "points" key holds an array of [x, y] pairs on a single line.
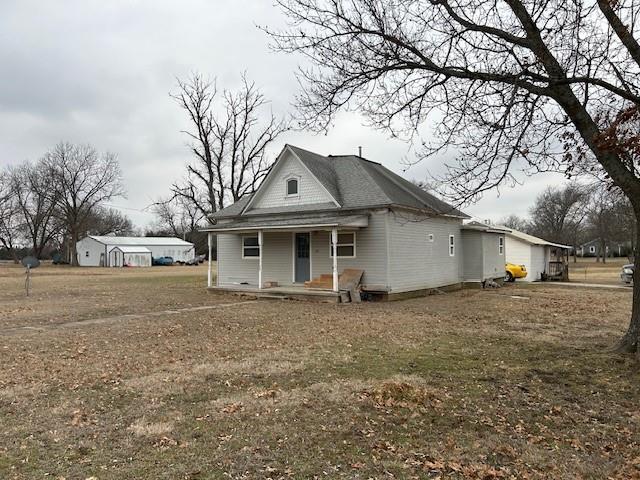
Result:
{"points": [[100, 72]]}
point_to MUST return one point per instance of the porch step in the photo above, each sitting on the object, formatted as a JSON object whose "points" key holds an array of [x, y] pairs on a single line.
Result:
{"points": [[325, 280]]}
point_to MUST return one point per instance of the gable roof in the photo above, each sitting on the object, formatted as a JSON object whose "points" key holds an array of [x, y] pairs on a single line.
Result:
{"points": [[354, 183], [530, 239], [143, 241]]}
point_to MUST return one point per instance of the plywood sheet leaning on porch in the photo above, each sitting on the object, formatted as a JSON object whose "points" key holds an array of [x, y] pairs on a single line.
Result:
{"points": [[349, 281]]}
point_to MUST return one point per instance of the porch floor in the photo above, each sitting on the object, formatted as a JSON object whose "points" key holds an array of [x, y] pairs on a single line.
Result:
{"points": [[285, 291]]}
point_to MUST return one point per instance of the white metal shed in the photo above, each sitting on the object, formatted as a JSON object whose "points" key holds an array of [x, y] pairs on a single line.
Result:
{"points": [[93, 251], [126, 256]]}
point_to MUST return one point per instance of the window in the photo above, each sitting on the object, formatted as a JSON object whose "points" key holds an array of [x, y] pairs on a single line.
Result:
{"points": [[592, 249], [86, 253], [346, 246], [250, 247], [292, 187], [500, 245], [430, 237], [452, 245]]}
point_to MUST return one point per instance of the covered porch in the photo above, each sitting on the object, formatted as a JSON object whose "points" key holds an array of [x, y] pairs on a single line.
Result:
{"points": [[284, 256]]}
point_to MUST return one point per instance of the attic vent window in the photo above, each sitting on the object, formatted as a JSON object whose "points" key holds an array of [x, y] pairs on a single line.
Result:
{"points": [[292, 187]]}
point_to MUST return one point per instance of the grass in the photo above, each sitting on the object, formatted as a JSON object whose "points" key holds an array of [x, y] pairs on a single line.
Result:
{"points": [[471, 384], [588, 270]]}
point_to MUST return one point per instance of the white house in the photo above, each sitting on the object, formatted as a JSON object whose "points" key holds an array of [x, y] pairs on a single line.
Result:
{"points": [[533, 252], [108, 251], [315, 216]]}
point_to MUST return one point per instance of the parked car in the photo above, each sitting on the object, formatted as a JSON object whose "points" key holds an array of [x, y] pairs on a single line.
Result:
{"points": [[197, 260], [58, 259], [513, 271], [627, 273], [162, 261]]}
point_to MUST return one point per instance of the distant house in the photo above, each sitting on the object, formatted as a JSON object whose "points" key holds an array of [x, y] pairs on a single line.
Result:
{"points": [[108, 251], [593, 248], [534, 253], [315, 216]]}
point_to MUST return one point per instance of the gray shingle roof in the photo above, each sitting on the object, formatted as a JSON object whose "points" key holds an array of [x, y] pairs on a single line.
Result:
{"points": [[354, 183]]}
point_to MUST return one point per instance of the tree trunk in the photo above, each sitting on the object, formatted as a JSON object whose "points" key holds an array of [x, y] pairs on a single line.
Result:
{"points": [[73, 248], [630, 342]]}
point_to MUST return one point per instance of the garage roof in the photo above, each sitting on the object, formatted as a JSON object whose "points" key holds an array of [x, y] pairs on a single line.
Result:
{"points": [[525, 237]]}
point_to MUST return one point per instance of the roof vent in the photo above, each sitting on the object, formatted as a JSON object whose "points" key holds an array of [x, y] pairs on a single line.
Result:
{"points": [[360, 151]]}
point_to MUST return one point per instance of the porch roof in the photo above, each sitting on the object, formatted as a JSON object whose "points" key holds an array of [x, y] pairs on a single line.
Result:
{"points": [[292, 223]]}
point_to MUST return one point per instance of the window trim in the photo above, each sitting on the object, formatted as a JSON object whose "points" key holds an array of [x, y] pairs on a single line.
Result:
{"points": [[286, 186], [338, 245], [452, 245], [243, 246], [501, 246]]}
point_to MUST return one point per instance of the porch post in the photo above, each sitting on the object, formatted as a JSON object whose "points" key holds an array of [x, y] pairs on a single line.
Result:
{"points": [[334, 249], [260, 242], [209, 264]]}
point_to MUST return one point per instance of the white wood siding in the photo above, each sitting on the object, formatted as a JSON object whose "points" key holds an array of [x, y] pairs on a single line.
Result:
{"points": [[493, 261], [274, 193], [394, 253], [232, 268], [371, 252], [472, 257], [416, 263], [277, 262]]}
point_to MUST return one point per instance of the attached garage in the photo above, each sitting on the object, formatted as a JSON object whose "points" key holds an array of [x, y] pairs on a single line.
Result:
{"points": [[536, 254]]}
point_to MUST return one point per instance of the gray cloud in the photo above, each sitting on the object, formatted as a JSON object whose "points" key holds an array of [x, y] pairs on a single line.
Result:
{"points": [[100, 73]]}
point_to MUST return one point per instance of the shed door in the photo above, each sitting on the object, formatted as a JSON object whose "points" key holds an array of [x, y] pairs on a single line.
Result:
{"points": [[302, 257]]}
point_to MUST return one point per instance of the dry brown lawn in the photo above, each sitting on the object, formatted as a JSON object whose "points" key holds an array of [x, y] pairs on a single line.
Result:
{"points": [[587, 270], [507, 383]]}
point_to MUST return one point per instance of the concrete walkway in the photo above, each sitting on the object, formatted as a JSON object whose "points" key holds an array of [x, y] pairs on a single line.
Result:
{"points": [[117, 318], [586, 285]]}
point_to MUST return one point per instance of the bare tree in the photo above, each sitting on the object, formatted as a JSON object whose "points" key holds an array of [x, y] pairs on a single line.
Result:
{"points": [[36, 202], [108, 221], [230, 137], [10, 220], [81, 180], [606, 215], [559, 212], [516, 223], [520, 84], [177, 215]]}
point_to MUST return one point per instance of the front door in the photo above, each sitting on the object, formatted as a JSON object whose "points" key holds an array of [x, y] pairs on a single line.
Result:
{"points": [[302, 257]]}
